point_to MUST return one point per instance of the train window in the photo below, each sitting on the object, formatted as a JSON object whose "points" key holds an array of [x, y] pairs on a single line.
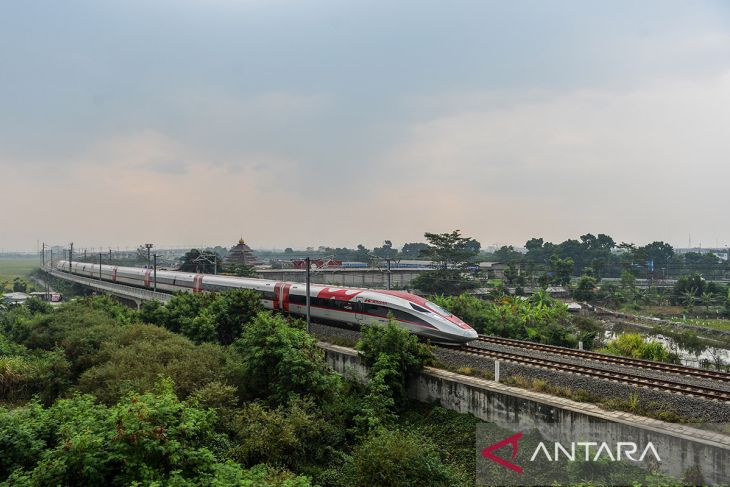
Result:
{"points": [[437, 308], [418, 308], [296, 299], [406, 316], [268, 295], [373, 309]]}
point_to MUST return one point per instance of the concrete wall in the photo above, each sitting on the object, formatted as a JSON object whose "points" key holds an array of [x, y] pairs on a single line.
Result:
{"points": [[372, 278], [681, 446]]}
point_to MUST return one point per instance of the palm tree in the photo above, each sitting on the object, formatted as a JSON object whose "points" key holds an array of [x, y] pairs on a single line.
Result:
{"points": [[707, 300], [690, 299]]}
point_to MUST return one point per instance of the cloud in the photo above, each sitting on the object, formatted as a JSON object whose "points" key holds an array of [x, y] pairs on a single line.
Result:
{"points": [[629, 162]]}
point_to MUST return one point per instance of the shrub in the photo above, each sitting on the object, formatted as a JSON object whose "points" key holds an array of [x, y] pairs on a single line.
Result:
{"points": [[292, 436], [24, 432], [634, 345], [397, 458], [280, 362], [206, 317], [395, 353], [46, 374], [141, 354]]}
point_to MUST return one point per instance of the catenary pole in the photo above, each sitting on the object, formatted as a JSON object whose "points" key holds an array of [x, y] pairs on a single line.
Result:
{"points": [[309, 316], [388, 260]]}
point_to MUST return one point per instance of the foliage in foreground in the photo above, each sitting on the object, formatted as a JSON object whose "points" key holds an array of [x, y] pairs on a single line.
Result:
{"points": [[393, 356], [397, 458], [152, 437], [247, 413], [205, 317]]}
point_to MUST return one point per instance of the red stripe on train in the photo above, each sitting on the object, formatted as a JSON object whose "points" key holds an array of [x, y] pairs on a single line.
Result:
{"points": [[277, 290], [285, 298]]}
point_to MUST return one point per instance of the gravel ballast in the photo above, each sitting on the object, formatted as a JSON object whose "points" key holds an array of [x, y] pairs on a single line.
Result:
{"points": [[687, 407]]}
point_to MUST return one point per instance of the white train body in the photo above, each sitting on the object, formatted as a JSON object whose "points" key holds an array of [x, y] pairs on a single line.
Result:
{"points": [[328, 304]]}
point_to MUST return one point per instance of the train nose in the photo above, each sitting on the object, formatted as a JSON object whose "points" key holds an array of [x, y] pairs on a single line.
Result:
{"points": [[471, 334]]}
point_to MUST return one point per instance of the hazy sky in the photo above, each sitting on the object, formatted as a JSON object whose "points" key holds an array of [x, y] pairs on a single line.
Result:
{"points": [[301, 123]]}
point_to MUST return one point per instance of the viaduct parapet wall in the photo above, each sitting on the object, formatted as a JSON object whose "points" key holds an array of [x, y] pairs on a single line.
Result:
{"points": [[683, 447]]}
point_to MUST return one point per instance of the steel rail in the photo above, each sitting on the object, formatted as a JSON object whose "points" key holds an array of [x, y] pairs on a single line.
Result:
{"points": [[613, 359], [658, 384]]}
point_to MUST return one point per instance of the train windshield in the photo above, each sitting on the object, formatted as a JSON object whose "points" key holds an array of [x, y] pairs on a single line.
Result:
{"points": [[437, 308], [418, 308]]}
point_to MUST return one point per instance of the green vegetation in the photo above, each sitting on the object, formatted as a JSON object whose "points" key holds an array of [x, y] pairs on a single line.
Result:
{"points": [[540, 318], [14, 273], [631, 404], [451, 254], [718, 324], [207, 390], [635, 346]]}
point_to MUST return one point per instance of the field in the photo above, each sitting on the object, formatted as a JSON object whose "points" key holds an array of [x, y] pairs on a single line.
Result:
{"points": [[10, 268], [717, 323], [678, 314]]}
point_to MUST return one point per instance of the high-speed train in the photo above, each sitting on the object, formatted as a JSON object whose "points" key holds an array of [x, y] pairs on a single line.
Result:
{"points": [[328, 304]]}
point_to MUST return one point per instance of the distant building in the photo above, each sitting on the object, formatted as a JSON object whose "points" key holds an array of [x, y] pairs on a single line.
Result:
{"points": [[241, 254]]}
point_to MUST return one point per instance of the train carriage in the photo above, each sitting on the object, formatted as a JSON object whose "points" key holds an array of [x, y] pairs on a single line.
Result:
{"points": [[355, 307]]}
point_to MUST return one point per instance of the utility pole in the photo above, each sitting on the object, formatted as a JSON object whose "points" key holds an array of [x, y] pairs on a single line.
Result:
{"points": [[155, 272], [43, 255], [51, 256], [388, 261], [309, 316], [100, 266], [148, 246], [110, 256], [71, 258]]}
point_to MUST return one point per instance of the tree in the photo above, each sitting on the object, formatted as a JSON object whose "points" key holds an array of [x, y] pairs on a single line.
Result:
{"points": [[231, 311], [508, 255], [288, 250], [19, 285], [196, 261], [693, 284], [413, 250], [449, 250], [386, 251], [585, 289], [147, 439], [362, 254], [536, 253], [405, 355], [280, 362], [707, 298], [562, 270], [513, 276], [451, 253], [241, 270], [658, 253]]}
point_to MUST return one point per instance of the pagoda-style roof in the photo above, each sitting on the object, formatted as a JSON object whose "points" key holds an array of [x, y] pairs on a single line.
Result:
{"points": [[241, 254]]}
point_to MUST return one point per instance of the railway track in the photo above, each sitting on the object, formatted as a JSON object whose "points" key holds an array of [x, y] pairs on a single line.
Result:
{"points": [[612, 359], [586, 370]]}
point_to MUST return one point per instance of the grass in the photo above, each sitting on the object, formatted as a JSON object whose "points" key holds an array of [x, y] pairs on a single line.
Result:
{"points": [[716, 323], [677, 313], [632, 404], [10, 268]]}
